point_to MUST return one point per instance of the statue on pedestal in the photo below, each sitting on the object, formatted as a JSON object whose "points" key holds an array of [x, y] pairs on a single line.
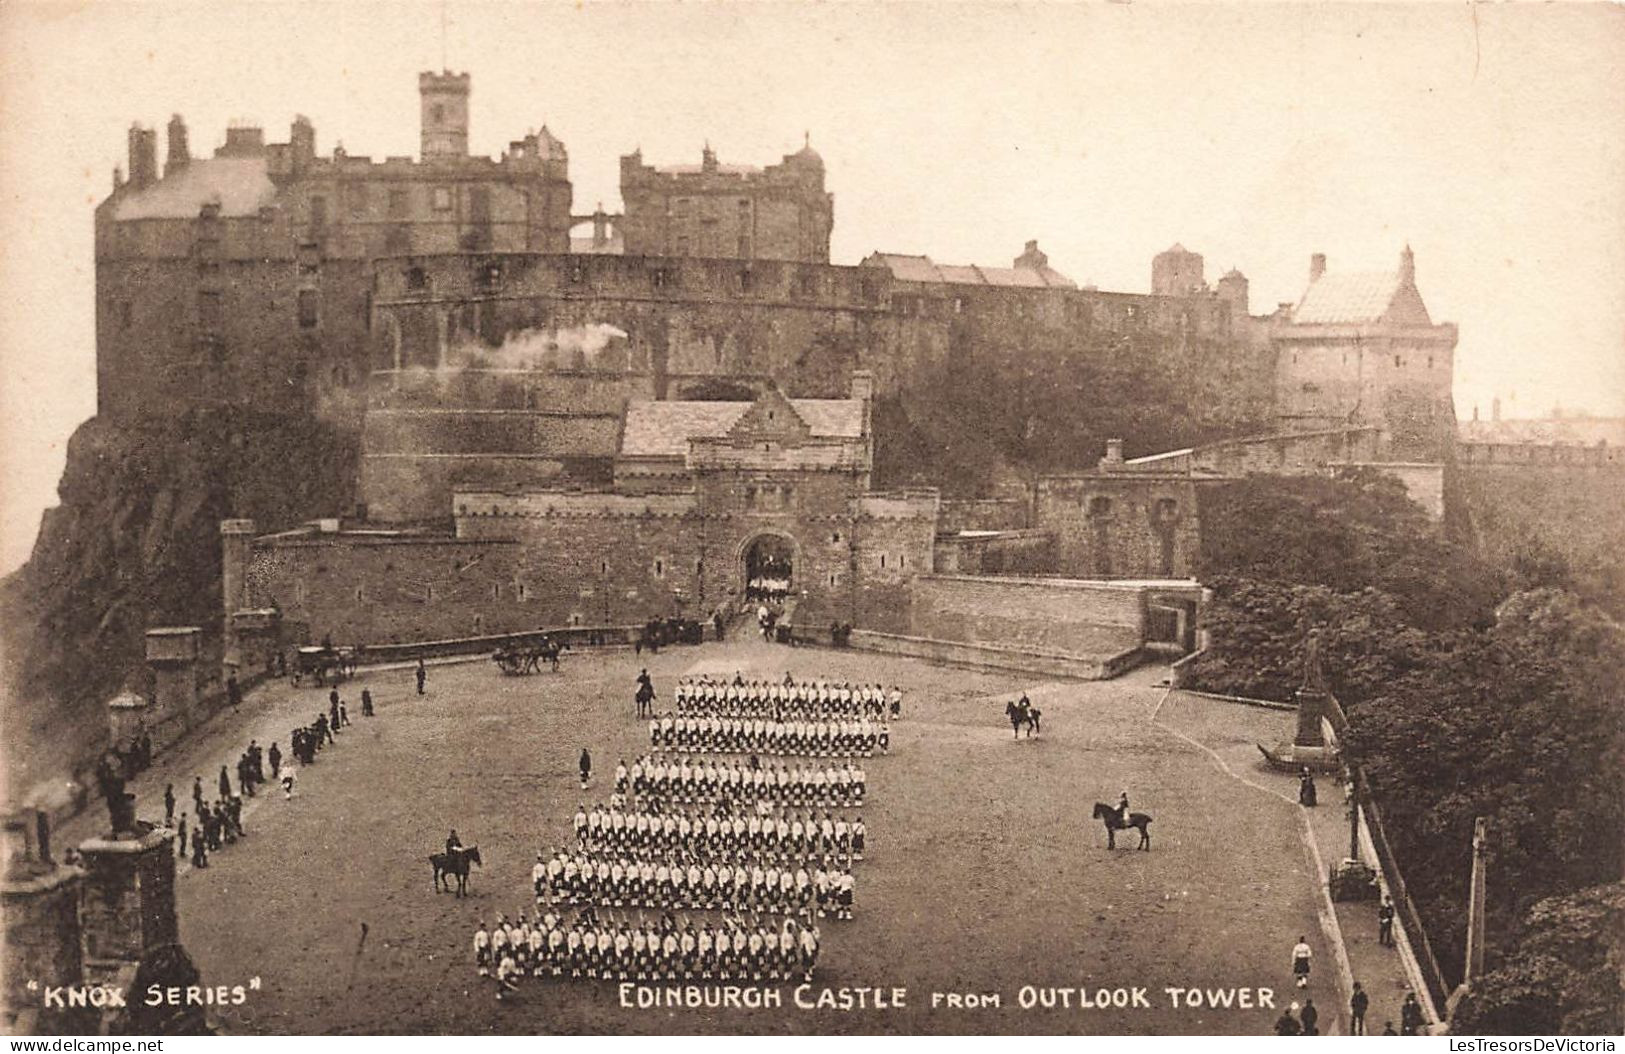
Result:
{"points": [[1314, 677], [120, 804]]}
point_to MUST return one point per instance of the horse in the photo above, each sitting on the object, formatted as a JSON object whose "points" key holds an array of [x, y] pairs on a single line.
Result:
{"points": [[1021, 717], [549, 652], [454, 865], [1114, 822]]}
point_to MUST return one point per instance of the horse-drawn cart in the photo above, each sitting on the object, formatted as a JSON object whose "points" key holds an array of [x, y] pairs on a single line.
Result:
{"points": [[527, 656], [324, 665]]}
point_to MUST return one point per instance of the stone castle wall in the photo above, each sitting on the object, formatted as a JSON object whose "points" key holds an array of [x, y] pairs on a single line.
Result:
{"points": [[1057, 616]]}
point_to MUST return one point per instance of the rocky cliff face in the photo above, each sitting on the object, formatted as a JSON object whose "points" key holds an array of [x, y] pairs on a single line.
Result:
{"points": [[135, 543]]}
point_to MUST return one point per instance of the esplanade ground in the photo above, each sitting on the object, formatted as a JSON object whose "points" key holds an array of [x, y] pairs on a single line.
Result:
{"points": [[985, 874]]}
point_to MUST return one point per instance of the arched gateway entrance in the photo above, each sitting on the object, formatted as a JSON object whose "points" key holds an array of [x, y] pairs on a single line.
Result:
{"points": [[768, 564]]}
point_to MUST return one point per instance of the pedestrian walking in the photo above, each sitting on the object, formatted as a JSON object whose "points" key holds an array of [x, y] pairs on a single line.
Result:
{"points": [[1300, 963], [1385, 923], [422, 675], [1310, 1018], [169, 805], [1410, 1015], [1359, 1003], [586, 768]]}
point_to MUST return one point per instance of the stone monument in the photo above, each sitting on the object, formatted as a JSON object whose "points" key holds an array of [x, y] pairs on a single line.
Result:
{"points": [[1308, 748], [130, 939]]}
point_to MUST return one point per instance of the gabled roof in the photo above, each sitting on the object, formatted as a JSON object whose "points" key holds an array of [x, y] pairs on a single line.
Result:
{"points": [[906, 267], [663, 428], [1360, 296], [240, 185]]}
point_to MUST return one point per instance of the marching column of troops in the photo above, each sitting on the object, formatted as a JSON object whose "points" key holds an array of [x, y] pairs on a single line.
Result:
{"points": [[850, 737], [762, 842]]}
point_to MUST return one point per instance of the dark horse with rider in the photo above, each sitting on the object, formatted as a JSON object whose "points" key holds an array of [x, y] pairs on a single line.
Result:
{"points": [[451, 867]]}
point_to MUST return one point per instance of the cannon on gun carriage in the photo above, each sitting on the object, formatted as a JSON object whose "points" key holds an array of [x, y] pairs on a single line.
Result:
{"points": [[325, 664]]}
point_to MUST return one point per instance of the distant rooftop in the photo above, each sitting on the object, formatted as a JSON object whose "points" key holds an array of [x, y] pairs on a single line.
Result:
{"points": [[919, 268]]}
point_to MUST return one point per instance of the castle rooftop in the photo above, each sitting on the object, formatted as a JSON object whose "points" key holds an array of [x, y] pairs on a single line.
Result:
{"points": [[241, 186], [663, 428]]}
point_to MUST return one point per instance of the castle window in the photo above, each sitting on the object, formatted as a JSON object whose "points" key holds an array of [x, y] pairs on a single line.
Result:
{"points": [[959, 305], [1398, 362], [660, 569], [835, 536], [318, 212], [1430, 362], [308, 300], [1167, 509], [578, 273], [882, 559], [496, 591], [746, 280], [208, 309], [358, 199], [519, 590], [398, 239], [310, 270], [1100, 506], [603, 567], [833, 579], [661, 277], [417, 279], [398, 203], [442, 199], [809, 285], [359, 593], [902, 561], [438, 113]]}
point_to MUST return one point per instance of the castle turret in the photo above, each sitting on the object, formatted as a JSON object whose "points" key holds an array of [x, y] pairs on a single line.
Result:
{"points": [[1233, 289], [1407, 266], [444, 115], [179, 152], [1177, 271]]}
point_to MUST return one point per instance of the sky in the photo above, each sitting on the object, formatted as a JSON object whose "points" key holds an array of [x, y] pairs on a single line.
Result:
{"points": [[1485, 136]]}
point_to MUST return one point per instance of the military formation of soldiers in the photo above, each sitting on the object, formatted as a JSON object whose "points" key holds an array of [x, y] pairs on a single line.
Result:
{"points": [[612, 946], [851, 737], [690, 879], [781, 700], [721, 832], [769, 844], [680, 778]]}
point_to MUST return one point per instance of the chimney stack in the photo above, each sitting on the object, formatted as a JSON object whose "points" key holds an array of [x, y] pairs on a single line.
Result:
{"points": [[1317, 266], [143, 157], [179, 152]]}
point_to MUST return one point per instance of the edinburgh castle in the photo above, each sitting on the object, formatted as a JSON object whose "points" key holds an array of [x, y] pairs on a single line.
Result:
{"points": [[436, 399]]}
